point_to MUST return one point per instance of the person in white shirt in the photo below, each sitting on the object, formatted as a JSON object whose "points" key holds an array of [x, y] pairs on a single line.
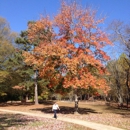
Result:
{"points": [[55, 107]]}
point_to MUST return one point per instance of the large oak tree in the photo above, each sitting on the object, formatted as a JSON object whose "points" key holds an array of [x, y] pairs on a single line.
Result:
{"points": [[70, 48]]}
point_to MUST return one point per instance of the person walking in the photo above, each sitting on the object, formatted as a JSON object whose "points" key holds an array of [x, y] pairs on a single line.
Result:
{"points": [[55, 107]]}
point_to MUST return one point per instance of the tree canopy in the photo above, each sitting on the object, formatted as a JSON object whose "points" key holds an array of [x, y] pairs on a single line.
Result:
{"points": [[70, 47]]}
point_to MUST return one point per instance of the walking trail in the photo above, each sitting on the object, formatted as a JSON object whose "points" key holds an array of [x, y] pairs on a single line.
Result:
{"points": [[92, 125]]}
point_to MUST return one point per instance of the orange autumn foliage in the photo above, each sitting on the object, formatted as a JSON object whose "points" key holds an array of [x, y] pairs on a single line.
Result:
{"points": [[74, 40], [19, 87]]}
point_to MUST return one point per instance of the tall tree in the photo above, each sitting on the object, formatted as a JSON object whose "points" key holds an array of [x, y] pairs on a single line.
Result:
{"points": [[121, 35], [119, 78], [125, 64], [26, 72], [29, 72], [6, 51], [6, 40], [70, 49], [116, 79]]}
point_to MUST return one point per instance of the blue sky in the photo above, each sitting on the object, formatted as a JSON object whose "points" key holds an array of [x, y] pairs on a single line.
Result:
{"points": [[19, 12]]}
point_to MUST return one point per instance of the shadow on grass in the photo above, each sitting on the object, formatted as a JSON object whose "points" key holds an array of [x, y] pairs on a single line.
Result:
{"points": [[124, 111], [25, 103], [15, 104], [66, 110], [47, 102], [12, 120]]}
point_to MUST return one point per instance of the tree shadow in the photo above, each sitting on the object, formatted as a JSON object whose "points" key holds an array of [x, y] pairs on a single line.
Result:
{"points": [[13, 120], [116, 108], [124, 112], [47, 102], [16, 104], [26, 103], [66, 110]]}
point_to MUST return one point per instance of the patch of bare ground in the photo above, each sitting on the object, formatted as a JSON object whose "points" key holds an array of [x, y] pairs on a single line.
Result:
{"points": [[98, 111]]}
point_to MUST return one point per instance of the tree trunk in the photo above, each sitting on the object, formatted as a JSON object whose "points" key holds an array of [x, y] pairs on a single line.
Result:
{"points": [[76, 102], [81, 97], [88, 96], [127, 101], [105, 98], [120, 101], [36, 93], [26, 98], [85, 97], [128, 87]]}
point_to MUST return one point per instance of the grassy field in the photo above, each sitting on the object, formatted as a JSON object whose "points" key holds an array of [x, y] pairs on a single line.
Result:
{"points": [[96, 111], [20, 122]]}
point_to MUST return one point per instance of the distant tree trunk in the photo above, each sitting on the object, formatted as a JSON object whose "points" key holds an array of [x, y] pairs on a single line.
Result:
{"points": [[105, 98], [120, 101], [36, 89], [85, 97], [81, 97], [88, 96], [26, 98], [76, 102], [127, 85], [33, 96], [127, 101]]}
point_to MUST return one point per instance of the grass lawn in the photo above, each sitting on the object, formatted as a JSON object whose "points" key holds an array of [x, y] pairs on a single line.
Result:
{"points": [[96, 111], [20, 122]]}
